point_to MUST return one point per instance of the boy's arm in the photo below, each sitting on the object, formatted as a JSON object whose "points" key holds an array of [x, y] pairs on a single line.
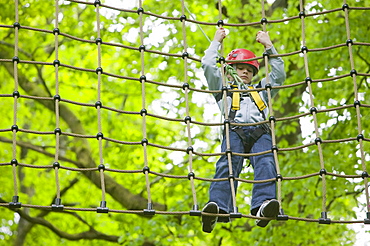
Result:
{"points": [[211, 70], [277, 75]]}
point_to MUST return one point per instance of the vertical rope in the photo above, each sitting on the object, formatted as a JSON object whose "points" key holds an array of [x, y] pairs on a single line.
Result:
{"points": [[272, 122], [57, 131], [226, 115], [323, 219], [357, 104], [188, 118], [144, 142], [14, 161], [98, 105]]}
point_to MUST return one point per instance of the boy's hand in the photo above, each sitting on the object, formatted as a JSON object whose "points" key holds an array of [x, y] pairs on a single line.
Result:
{"points": [[264, 38], [220, 34]]}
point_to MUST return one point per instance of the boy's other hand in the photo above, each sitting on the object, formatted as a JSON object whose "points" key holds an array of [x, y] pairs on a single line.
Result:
{"points": [[220, 34], [264, 39]]}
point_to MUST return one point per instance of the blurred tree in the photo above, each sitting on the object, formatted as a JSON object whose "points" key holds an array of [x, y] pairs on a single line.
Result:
{"points": [[127, 191]]}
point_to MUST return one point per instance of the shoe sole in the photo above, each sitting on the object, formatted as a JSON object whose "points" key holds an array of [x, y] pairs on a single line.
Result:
{"points": [[271, 211], [207, 220]]}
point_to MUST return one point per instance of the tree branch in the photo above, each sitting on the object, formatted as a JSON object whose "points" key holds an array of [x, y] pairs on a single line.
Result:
{"points": [[352, 193], [89, 235], [24, 226], [31, 221]]}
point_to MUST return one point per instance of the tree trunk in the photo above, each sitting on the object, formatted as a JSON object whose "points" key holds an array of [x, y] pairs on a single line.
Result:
{"points": [[82, 150]]}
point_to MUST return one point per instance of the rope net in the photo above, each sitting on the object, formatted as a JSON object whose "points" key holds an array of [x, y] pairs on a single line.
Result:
{"points": [[106, 141]]}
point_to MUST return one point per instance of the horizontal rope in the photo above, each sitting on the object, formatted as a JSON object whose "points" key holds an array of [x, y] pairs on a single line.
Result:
{"points": [[143, 212]]}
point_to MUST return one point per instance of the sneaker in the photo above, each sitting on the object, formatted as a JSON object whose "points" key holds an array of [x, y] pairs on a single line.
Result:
{"points": [[209, 222], [223, 219], [270, 209]]}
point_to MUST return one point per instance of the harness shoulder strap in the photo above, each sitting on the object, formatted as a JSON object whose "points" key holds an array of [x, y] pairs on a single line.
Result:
{"points": [[235, 100], [235, 105], [256, 98]]}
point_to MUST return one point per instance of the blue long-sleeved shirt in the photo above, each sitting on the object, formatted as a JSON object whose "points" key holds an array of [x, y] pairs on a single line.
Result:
{"points": [[248, 112]]}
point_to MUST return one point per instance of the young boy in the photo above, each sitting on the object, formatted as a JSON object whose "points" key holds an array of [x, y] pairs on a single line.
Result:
{"points": [[246, 139]]}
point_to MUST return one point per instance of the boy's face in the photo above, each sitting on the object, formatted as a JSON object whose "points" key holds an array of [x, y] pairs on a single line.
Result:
{"points": [[245, 72]]}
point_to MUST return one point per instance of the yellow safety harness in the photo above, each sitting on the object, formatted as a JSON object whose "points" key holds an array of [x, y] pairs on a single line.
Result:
{"points": [[235, 106], [254, 95]]}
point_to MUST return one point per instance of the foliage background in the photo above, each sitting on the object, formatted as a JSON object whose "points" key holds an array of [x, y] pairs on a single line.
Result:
{"points": [[301, 198]]}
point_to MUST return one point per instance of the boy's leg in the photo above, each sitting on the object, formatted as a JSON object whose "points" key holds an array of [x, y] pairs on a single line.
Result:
{"points": [[264, 203], [220, 192], [264, 168]]}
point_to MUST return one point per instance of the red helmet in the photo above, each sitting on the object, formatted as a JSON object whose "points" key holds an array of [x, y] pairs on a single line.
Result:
{"points": [[243, 54]]}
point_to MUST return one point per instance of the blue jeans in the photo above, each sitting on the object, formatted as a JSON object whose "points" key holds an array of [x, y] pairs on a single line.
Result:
{"points": [[264, 168]]}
